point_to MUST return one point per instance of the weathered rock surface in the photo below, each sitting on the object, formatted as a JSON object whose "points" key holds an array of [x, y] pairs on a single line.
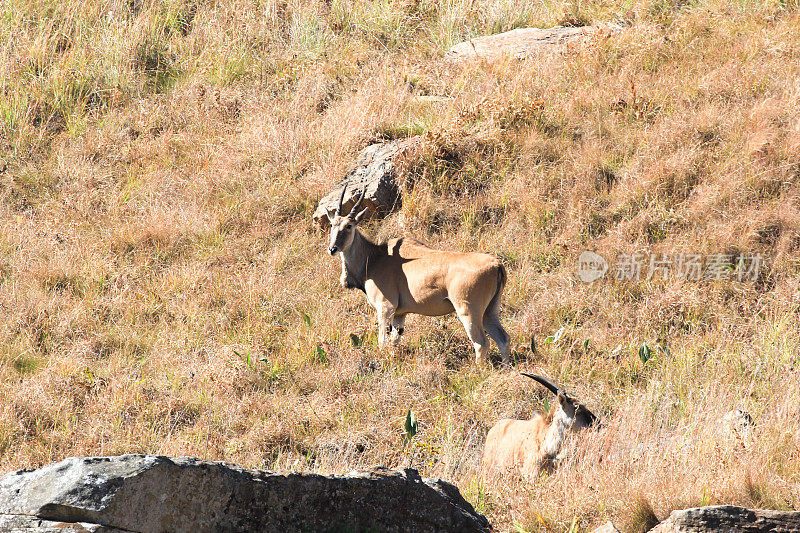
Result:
{"points": [[729, 518], [608, 527], [737, 425], [28, 524], [523, 43], [375, 172], [146, 493]]}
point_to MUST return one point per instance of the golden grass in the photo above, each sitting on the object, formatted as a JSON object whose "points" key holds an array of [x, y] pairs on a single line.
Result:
{"points": [[163, 289]]}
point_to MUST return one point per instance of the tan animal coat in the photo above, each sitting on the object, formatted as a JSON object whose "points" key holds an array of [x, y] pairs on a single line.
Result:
{"points": [[405, 276], [528, 446]]}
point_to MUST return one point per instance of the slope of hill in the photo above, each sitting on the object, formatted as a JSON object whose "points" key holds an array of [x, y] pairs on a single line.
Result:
{"points": [[164, 291]]}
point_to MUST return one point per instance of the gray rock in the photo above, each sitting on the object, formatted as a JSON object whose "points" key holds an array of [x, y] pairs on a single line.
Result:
{"points": [[523, 43], [152, 494], [31, 524], [375, 171], [608, 527], [728, 518], [738, 425]]}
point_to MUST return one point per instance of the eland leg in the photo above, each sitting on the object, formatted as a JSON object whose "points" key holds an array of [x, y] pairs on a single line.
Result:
{"points": [[398, 325], [474, 326], [385, 320], [492, 325]]}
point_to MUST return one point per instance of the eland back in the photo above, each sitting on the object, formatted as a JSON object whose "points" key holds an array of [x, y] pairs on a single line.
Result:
{"points": [[405, 276]]}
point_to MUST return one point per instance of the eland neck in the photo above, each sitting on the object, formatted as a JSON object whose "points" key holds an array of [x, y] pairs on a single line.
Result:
{"points": [[554, 436], [356, 259]]}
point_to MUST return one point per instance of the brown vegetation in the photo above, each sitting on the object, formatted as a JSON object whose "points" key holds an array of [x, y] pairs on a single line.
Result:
{"points": [[162, 289]]}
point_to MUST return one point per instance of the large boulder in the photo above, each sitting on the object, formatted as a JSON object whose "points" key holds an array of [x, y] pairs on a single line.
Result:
{"points": [[523, 43], [27, 524], [375, 172], [145, 493], [729, 518]]}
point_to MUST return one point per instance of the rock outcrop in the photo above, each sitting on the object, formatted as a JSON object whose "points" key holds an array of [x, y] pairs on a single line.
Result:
{"points": [[737, 425], [144, 493], [374, 171], [523, 43], [728, 518], [608, 527]]}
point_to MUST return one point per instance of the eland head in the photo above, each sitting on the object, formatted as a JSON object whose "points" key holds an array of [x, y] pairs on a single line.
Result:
{"points": [[579, 415], [343, 228]]}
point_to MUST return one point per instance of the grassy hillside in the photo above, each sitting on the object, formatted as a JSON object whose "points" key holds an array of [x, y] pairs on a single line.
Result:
{"points": [[162, 288]]}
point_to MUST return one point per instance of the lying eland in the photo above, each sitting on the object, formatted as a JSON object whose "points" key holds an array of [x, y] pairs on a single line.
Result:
{"points": [[528, 446], [405, 276]]}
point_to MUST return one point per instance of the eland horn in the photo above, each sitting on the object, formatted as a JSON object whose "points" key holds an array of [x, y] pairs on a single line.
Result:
{"points": [[361, 196], [341, 199], [549, 385]]}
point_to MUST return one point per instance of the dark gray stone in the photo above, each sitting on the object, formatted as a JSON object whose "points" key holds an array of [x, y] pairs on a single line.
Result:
{"points": [[153, 494], [374, 171], [728, 518]]}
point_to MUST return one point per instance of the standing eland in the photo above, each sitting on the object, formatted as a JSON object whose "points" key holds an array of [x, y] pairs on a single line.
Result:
{"points": [[405, 276]]}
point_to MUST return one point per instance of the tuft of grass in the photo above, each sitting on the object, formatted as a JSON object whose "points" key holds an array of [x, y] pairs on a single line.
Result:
{"points": [[643, 518], [24, 364], [760, 495]]}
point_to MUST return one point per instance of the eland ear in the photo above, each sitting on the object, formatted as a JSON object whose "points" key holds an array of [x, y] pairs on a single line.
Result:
{"points": [[563, 399], [331, 214], [587, 417], [360, 215]]}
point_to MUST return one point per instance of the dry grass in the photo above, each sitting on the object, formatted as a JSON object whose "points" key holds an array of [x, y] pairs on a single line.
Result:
{"points": [[163, 290]]}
